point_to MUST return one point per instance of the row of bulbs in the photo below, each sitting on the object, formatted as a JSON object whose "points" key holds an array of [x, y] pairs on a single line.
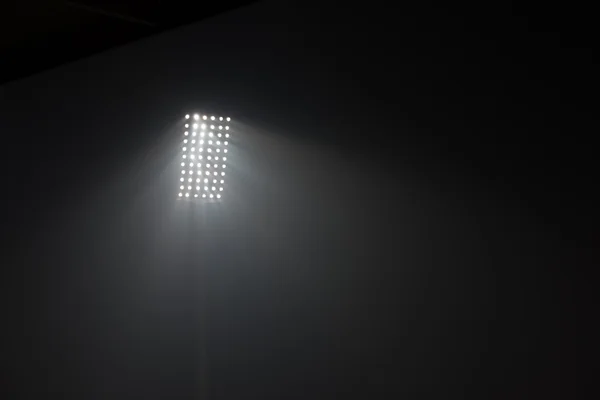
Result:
{"points": [[205, 117], [210, 142], [198, 188], [186, 133], [191, 172], [203, 126], [212, 196], [198, 180]]}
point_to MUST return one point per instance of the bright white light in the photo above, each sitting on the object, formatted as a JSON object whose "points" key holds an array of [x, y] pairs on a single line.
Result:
{"points": [[220, 118], [218, 196], [201, 134], [218, 150], [218, 142], [200, 149], [209, 150], [222, 181], [191, 164], [180, 194], [224, 150], [223, 165], [226, 128], [224, 158], [213, 188], [187, 116], [215, 165], [187, 125], [183, 164], [185, 149], [195, 126], [210, 134], [212, 118], [211, 196], [220, 126], [219, 135], [215, 174], [201, 141], [181, 187], [214, 181], [207, 165], [197, 187], [212, 127], [189, 188], [191, 172], [190, 179], [200, 157], [204, 117], [187, 195], [205, 187], [222, 173], [196, 195], [228, 119], [205, 180], [226, 143], [184, 140], [193, 133], [227, 135], [204, 195], [181, 179], [192, 156], [183, 171], [217, 158], [210, 142], [203, 126], [197, 180], [184, 156], [207, 172], [186, 133], [196, 117], [193, 141]]}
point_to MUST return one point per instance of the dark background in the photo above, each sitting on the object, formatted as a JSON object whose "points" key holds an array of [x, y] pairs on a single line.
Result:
{"points": [[409, 206]]}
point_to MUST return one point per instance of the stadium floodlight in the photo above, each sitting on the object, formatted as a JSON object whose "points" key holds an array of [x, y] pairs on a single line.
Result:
{"points": [[211, 172]]}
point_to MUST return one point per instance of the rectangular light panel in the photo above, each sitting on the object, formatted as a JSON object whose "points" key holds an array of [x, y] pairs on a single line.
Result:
{"points": [[204, 155]]}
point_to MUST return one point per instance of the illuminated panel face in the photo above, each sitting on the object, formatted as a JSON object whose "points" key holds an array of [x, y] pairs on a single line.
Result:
{"points": [[205, 146]]}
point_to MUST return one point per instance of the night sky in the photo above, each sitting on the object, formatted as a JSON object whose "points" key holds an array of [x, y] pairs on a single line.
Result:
{"points": [[409, 203]]}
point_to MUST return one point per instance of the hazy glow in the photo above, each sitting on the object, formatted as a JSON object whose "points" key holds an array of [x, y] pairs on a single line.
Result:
{"points": [[196, 117]]}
